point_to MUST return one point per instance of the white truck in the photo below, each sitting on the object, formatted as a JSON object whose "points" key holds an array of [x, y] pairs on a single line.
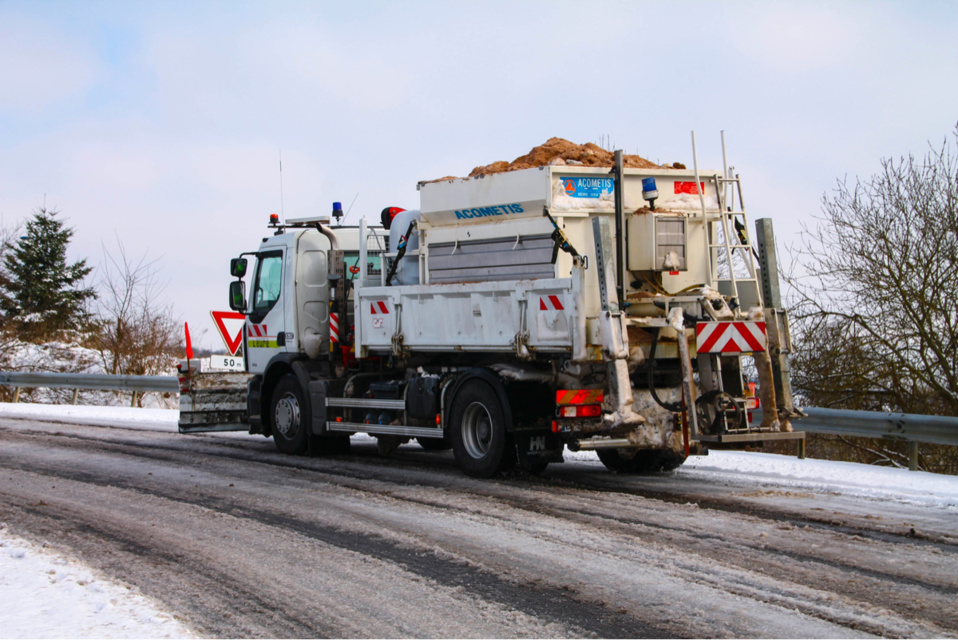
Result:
{"points": [[511, 316]]}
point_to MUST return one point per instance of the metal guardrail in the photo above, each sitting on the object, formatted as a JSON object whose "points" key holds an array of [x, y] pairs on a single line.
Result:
{"points": [[904, 427], [909, 427], [77, 381]]}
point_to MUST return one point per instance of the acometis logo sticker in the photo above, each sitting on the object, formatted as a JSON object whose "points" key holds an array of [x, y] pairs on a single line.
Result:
{"points": [[587, 187]]}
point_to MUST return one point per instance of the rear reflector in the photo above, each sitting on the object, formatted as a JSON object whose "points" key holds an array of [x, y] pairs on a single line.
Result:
{"points": [[580, 411]]}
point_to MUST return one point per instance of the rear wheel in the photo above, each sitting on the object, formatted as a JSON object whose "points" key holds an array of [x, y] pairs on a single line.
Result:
{"points": [[290, 416], [478, 432], [643, 461]]}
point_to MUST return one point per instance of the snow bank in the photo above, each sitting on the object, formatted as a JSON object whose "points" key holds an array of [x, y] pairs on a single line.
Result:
{"points": [[46, 595], [826, 476], [822, 476], [127, 417]]}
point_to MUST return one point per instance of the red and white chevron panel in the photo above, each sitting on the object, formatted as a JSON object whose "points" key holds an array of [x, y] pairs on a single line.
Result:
{"points": [[378, 306], [334, 327], [550, 303], [730, 337]]}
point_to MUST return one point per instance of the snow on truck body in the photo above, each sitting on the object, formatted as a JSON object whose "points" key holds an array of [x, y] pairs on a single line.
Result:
{"points": [[510, 316]]}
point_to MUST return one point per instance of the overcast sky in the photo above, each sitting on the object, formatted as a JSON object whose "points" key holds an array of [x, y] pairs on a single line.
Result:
{"points": [[161, 123]]}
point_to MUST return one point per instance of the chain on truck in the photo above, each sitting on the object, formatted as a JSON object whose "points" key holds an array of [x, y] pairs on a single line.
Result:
{"points": [[511, 316]]}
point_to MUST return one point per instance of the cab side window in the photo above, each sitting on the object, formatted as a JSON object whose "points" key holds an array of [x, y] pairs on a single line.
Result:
{"points": [[269, 278]]}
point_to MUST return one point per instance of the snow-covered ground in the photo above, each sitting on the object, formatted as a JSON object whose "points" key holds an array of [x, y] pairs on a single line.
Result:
{"points": [[33, 579], [47, 595]]}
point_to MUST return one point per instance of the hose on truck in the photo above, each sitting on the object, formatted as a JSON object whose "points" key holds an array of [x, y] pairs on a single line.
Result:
{"points": [[674, 407]]}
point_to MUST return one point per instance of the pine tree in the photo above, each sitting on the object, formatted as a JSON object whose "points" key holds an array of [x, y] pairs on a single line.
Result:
{"points": [[41, 294]]}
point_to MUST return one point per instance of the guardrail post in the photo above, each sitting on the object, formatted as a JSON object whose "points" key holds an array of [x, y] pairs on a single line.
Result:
{"points": [[133, 401], [16, 395], [801, 448], [76, 395], [913, 456]]}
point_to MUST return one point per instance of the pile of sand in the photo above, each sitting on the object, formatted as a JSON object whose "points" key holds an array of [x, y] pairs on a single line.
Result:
{"points": [[558, 151]]}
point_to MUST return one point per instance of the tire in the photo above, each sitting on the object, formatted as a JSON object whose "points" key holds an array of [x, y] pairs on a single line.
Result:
{"points": [[289, 416], [644, 461], [434, 444], [478, 432]]}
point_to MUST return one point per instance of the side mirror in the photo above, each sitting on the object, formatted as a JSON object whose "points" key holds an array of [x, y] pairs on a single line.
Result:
{"points": [[238, 267], [238, 294]]}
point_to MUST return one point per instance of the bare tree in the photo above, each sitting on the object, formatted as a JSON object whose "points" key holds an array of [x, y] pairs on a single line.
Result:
{"points": [[877, 308], [137, 332]]}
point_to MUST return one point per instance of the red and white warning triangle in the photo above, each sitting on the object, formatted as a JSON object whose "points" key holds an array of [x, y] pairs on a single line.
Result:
{"points": [[230, 325]]}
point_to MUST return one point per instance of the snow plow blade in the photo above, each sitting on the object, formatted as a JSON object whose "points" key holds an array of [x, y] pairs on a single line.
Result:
{"points": [[213, 402]]}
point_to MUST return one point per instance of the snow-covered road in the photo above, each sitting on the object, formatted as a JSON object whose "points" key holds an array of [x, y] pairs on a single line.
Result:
{"points": [[730, 544]]}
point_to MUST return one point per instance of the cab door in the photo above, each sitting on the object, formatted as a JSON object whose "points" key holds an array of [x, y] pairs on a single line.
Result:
{"points": [[266, 320]]}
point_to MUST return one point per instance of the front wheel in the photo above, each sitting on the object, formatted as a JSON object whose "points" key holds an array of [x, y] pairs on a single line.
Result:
{"points": [[642, 461], [478, 432], [290, 416]]}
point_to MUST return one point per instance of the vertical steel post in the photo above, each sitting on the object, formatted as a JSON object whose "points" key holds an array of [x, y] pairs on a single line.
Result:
{"points": [[76, 394], [768, 263], [619, 188], [913, 456], [775, 318]]}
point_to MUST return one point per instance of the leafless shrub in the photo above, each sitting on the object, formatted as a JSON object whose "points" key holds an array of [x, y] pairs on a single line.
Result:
{"points": [[137, 332], [877, 310]]}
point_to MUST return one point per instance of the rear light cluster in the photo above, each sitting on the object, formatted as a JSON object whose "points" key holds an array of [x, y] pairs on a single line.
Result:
{"points": [[579, 403], [751, 403]]}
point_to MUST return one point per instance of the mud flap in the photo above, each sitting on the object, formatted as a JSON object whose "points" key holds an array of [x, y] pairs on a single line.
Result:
{"points": [[534, 447]]}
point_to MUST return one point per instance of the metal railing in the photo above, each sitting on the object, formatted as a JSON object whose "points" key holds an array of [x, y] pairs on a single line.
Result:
{"points": [[903, 427], [76, 381], [908, 427]]}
